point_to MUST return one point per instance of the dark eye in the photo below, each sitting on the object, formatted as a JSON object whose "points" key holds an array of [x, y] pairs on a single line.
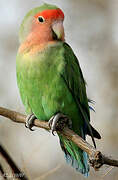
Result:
{"points": [[41, 19]]}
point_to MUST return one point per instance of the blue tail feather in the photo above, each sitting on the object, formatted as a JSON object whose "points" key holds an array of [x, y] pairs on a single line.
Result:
{"points": [[74, 156]]}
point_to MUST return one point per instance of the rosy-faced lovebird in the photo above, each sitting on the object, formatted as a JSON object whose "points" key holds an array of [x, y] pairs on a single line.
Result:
{"points": [[50, 80]]}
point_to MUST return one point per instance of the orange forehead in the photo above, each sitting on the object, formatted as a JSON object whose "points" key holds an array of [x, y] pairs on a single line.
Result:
{"points": [[51, 14]]}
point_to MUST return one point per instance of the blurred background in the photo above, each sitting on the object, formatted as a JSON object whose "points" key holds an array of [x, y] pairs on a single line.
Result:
{"points": [[91, 28]]}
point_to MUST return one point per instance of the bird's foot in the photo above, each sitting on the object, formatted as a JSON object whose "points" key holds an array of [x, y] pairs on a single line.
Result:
{"points": [[58, 122], [30, 121]]}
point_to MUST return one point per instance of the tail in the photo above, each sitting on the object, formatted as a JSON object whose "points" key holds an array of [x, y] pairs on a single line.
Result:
{"points": [[74, 156]]}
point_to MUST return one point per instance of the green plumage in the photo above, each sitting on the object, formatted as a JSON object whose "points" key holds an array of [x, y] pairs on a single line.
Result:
{"points": [[51, 81]]}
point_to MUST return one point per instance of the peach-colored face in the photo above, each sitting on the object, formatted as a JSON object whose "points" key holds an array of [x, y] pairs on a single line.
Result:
{"points": [[47, 26]]}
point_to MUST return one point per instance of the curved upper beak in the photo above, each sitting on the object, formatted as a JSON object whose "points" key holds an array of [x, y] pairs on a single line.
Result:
{"points": [[58, 30]]}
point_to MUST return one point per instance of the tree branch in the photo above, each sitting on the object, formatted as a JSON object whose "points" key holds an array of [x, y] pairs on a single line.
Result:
{"points": [[16, 172], [96, 158]]}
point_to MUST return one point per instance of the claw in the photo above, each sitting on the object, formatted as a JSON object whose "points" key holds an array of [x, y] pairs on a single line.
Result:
{"points": [[50, 121], [30, 121], [58, 121]]}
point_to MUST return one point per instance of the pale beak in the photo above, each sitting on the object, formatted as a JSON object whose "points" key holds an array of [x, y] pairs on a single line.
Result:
{"points": [[58, 30]]}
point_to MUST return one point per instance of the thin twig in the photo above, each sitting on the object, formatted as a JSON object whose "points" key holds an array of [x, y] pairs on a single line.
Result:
{"points": [[96, 158], [2, 173], [17, 173], [107, 172]]}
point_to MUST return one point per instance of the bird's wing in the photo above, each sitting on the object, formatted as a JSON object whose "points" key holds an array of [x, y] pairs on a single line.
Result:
{"points": [[75, 82]]}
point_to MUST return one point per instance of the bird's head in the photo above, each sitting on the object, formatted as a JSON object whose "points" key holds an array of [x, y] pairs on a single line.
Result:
{"points": [[43, 24]]}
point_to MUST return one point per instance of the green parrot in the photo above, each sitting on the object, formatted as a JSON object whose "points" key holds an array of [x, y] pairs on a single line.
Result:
{"points": [[51, 82]]}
